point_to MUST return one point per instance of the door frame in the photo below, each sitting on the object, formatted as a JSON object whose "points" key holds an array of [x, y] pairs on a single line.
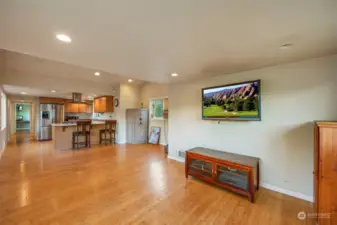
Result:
{"points": [[13, 115]]}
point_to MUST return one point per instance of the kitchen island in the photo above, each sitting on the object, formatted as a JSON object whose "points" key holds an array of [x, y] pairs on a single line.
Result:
{"points": [[62, 134]]}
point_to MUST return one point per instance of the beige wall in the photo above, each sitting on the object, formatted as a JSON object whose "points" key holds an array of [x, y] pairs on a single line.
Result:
{"points": [[148, 92], [152, 91], [293, 96], [3, 132]]}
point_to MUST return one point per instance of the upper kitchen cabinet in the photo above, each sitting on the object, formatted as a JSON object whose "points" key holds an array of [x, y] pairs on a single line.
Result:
{"points": [[78, 107], [104, 104], [82, 108], [71, 108]]}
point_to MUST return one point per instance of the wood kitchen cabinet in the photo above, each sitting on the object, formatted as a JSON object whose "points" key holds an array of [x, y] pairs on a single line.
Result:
{"points": [[104, 104], [89, 108], [82, 108], [71, 107], [78, 108]]}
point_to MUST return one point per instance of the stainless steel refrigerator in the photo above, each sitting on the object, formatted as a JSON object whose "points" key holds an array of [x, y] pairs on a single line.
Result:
{"points": [[49, 114]]}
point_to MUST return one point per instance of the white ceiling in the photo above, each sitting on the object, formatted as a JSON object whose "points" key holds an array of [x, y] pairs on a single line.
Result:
{"points": [[16, 90], [149, 39], [38, 77]]}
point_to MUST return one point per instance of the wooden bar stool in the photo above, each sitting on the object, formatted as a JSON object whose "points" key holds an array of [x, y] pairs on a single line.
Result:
{"points": [[83, 128], [109, 128]]}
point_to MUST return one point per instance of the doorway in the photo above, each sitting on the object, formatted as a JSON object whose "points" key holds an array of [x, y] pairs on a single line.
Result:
{"points": [[22, 117]]}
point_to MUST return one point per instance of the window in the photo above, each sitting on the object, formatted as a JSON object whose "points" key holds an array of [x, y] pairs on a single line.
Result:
{"points": [[157, 108], [3, 111]]}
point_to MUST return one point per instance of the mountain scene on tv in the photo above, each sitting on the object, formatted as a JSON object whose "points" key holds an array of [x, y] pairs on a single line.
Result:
{"points": [[240, 100]]}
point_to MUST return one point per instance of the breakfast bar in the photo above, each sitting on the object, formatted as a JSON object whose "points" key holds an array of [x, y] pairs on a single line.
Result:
{"points": [[62, 134]]}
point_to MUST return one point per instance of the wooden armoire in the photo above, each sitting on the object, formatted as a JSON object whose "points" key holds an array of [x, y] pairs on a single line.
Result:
{"points": [[325, 172]]}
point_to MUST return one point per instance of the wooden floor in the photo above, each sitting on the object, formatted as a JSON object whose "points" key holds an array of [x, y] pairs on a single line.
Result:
{"points": [[122, 184]]}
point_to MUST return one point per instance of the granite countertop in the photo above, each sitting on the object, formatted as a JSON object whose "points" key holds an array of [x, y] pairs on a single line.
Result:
{"points": [[74, 124]]}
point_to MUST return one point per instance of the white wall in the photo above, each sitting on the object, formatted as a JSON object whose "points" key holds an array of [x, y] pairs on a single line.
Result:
{"points": [[293, 96], [3, 132], [149, 91]]}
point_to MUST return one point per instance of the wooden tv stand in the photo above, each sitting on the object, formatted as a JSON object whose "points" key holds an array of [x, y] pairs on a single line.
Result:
{"points": [[238, 173]]}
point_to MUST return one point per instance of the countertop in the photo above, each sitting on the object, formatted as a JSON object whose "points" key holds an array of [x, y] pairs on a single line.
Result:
{"points": [[74, 124]]}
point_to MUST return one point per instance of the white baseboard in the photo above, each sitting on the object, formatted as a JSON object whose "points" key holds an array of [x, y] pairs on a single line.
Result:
{"points": [[179, 159], [267, 186], [163, 143], [287, 192]]}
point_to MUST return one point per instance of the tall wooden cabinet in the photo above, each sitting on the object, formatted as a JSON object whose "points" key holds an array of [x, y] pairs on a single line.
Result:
{"points": [[325, 172]]}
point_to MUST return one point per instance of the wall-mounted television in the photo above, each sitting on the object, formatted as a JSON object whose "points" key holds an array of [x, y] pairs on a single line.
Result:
{"points": [[239, 101]]}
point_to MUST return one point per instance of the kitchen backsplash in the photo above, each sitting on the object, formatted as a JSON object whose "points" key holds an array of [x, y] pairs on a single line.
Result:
{"points": [[104, 116], [95, 116]]}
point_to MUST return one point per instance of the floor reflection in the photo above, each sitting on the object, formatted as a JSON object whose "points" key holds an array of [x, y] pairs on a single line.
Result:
{"points": [[24, 194], [158, 177]]}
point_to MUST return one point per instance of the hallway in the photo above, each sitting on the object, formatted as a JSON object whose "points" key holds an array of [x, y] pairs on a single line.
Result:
{"points": [[22, 137]]}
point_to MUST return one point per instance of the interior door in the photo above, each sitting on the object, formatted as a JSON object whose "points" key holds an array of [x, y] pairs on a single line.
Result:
{"points": [[141, 126]]}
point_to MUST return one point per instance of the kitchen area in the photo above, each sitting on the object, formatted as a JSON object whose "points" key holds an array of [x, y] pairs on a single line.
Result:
{"points": [[59, 119]]}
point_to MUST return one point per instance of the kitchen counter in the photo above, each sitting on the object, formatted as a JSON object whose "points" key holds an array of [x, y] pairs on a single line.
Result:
{"points": [[63, 133], [74, 124]]}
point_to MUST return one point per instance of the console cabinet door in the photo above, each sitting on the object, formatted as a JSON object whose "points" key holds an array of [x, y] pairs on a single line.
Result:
{"points": [[232, 176], [200, 167]]}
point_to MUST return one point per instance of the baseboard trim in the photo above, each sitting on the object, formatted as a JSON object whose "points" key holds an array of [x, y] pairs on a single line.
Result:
{"points": [[288, 192], [179, 159], [266, 185]]}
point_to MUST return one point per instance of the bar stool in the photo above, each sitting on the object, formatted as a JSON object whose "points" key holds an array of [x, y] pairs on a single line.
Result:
{"points": [[83, 128], [110, 128]]}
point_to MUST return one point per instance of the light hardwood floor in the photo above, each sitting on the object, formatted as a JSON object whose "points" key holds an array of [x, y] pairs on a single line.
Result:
{"points": [[122, 184]]}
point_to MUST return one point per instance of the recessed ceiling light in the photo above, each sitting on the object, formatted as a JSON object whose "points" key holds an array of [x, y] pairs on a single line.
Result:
{"points": [[23, 93], [130, 80], [63, 38], [286, 46], [97, 74], [174, 74], [53, 91]]}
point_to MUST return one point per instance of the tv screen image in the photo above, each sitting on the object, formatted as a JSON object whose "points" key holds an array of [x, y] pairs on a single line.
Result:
{"points": [[240, 101]]}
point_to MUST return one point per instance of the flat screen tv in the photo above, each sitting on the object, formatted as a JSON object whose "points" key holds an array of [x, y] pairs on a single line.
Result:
{"points": [[240, 101]]}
